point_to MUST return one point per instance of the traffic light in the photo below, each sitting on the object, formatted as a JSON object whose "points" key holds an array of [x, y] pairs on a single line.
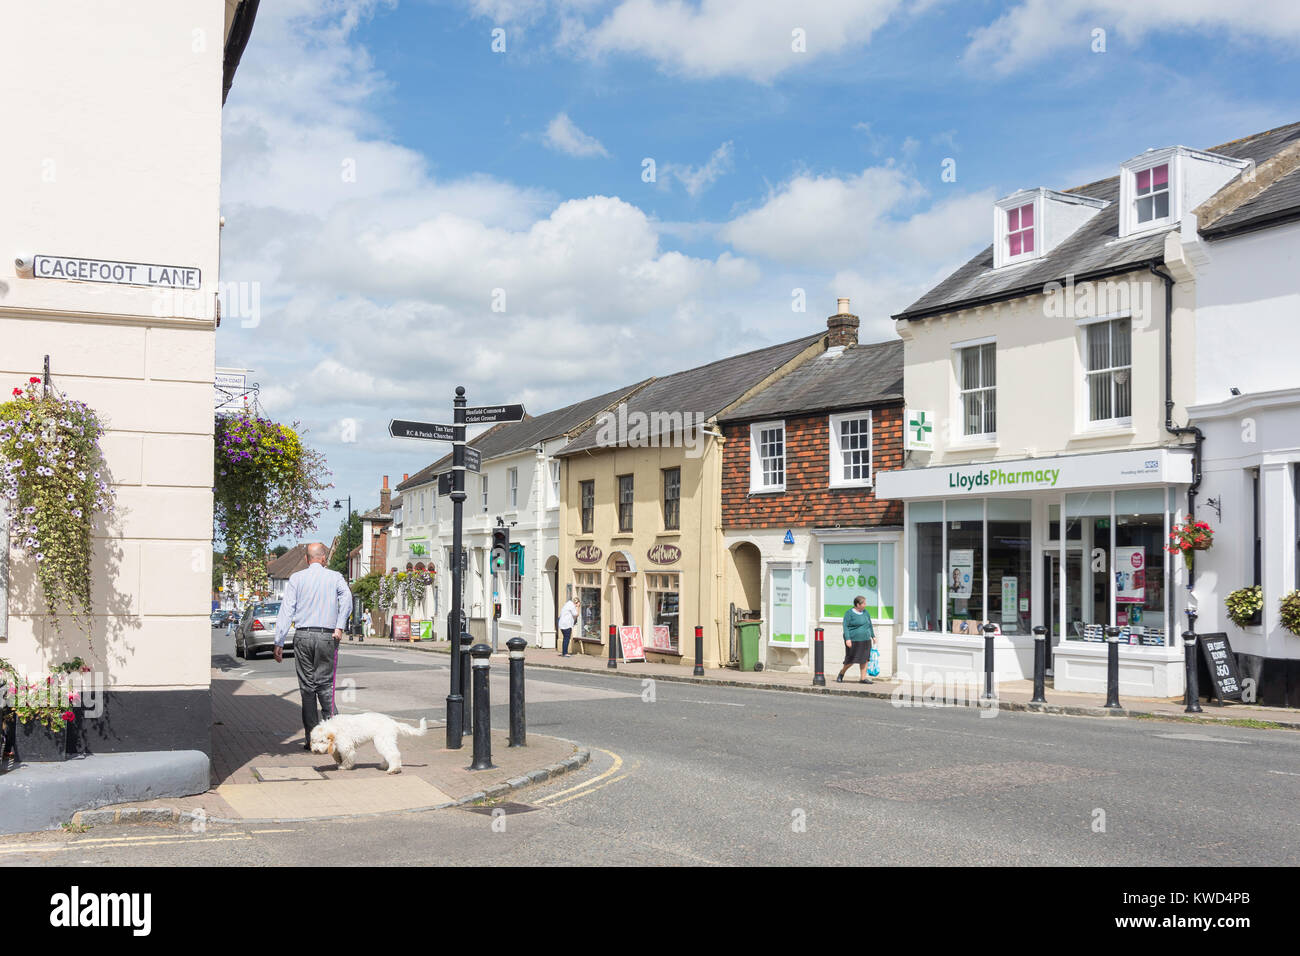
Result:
{"points": [[500, 548]]}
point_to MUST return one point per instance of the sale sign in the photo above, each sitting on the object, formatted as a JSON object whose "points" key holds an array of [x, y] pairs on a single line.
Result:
{"points": [[629, 637], [1130, 575], [661, 638]]}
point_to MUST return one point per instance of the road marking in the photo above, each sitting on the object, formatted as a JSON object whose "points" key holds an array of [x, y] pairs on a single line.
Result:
{"points": [[1287, 773], [720, 703], [592, 789], [618, 762], [160, 839], [1217, 740]]}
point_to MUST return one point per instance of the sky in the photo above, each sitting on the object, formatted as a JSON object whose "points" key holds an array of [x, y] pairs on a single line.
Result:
{"points": [[544, 201]]}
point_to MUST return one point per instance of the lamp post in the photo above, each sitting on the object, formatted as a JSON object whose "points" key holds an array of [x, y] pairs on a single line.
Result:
{"points": [[347, 538]]}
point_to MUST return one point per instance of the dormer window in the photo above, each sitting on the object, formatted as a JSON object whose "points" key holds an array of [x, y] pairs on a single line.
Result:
{"points": [[1151, 192], [1020, 230]]}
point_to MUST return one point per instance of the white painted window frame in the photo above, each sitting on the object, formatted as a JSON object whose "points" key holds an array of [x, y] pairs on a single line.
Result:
{"points": [[837, 467], [756, 483], [512, 480], [1087, 422], [959, 350]]}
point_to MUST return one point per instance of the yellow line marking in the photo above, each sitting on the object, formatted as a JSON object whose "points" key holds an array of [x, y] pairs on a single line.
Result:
{"points": [[35, 849], [273, 831], [618, 762], [592, 789]]}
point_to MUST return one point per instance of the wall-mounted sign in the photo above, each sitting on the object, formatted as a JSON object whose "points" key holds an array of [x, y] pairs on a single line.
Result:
{"points": [[664, 554], [588, 554], [919, 433], [789, 537], [116, 273]]}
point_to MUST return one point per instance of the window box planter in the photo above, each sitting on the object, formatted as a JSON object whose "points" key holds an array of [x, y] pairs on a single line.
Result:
{"points": [[33, 742]]}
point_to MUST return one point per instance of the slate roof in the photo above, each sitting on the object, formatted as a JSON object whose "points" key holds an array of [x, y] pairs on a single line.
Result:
{"points": [[1090, 252], [511, 437], [377, 514], [295, 559], [1277, 204], [852, 378], [705, 390]]}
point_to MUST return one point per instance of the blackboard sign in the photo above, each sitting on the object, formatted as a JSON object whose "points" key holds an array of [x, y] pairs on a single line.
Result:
{"points": [[1221, 664]]}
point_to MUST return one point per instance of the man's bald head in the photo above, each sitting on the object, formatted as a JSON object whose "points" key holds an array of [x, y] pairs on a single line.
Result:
{"points": [[317, 552]]}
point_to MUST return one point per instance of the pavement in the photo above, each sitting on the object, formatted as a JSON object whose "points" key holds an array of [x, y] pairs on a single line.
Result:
{"points": [[1011, 695], [261, 773]]}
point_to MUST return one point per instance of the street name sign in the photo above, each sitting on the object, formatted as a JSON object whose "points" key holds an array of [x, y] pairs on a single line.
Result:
{"points": [[428, 431], [473, 459], [116, 272], [488, 414]]}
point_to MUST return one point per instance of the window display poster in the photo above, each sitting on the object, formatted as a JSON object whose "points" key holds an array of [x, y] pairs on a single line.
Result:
{"points": [[629, 637], [1130, 575], [1010, 597], [661, 638], [847, 571], [789, 607], [961, 572]]}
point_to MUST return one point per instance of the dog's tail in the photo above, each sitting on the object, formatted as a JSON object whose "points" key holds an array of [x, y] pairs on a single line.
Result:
{"points": [[414, 732]]}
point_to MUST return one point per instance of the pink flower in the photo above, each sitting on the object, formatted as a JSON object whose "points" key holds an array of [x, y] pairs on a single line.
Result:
{"points": [[69, 716], [18, 391], [34, 380]]}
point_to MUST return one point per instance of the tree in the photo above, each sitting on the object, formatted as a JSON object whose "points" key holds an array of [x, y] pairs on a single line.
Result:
{"points": [[349, 536], [280, 550]]}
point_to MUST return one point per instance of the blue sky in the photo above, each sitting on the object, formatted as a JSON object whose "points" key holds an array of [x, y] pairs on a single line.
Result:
{"points": [[388, 177]]}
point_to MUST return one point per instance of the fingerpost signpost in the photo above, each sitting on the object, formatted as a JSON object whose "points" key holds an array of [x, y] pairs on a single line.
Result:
{"points": [[455, 433]]}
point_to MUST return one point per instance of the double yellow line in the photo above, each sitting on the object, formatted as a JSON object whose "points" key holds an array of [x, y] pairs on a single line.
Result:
{"points": [[590, 786]]}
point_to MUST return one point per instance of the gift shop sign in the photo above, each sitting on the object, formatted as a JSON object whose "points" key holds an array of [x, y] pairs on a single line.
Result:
{"points": [[587, 554], [664, 554], [116, 273], [1145, 467]]}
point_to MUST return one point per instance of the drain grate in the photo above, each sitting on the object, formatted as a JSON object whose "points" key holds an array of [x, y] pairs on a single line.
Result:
{"points": [[509, 809], [968, 780]]}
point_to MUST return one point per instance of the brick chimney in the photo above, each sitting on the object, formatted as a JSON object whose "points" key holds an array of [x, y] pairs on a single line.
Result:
{"points": [[843, 326], [385, 498]]}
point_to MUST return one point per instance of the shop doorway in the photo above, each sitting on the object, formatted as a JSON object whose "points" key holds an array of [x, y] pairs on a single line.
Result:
{"points": [[625, 599], [1057, 625]]}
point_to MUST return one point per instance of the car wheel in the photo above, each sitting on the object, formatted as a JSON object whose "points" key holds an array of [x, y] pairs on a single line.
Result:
{"points": [[239, 647]]}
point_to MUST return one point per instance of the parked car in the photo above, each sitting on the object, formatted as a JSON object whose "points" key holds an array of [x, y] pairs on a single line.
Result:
{"points": [[256, 631], [217, 618]]}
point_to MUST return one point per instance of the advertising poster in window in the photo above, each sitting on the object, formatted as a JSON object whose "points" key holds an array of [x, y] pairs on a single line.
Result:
{"points": [[661, 638], [961, 573], [789, 605], [1130, 575], [1010, 598], [852, 569]]}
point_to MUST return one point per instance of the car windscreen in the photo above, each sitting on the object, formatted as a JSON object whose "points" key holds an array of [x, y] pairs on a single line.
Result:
{"points": [[266, 610]]}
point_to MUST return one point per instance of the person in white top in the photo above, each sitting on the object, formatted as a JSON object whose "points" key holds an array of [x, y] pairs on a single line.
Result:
{"points": [[569, 616]]}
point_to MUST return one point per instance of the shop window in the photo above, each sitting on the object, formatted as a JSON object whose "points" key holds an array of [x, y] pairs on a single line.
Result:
{"points": [[1009, 524], [963, 578], [1140, 567], [588, 494], [767, 456], [625, 503], [788, 618], [978, 368], [850, 439], [1110, 361], [925, 607], [588, 587], [672, 498], [665, 597], [850, 570], [1087, 585]]}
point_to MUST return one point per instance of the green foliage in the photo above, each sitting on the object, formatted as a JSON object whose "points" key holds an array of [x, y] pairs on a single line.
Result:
{"points": [[1243, 604], [349, 537], [1290, 608], [53, 482], [267, 485], [47, 701], [367, 589], [280, 550]]}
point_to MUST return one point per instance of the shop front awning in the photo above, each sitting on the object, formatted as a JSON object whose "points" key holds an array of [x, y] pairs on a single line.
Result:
{"points": [[1148, 466]]}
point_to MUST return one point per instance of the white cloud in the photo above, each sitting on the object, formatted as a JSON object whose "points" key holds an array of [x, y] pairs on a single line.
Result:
{"points": [[747, 38], [696, 179], [563, 135], [1034, 29]]}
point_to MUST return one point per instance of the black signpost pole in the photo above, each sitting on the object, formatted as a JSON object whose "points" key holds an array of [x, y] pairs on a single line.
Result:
{"points": [[456, 699]]}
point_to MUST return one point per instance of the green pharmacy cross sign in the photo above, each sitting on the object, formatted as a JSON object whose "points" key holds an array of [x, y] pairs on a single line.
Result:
{"points": [[920, 430]]}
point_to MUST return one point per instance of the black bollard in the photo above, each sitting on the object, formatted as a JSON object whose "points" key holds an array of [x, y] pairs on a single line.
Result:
{"points": [[482, 708], [455, 710], [1040, 664], [518, 731], [1193, 678], [613, 651], [819, 657], [988, 660], [466, 692], [699, 652], [1112, 669]]}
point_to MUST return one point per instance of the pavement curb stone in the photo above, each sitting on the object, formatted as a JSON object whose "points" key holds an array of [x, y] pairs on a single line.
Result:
{"points": [[135, 815], [1071, 710]]}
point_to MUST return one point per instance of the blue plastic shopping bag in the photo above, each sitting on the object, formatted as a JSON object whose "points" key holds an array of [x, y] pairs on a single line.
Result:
{"points": [[873, 663]]}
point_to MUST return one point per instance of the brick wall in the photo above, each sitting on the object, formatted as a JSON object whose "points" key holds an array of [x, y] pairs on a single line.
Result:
{"points": [[808, 501]]}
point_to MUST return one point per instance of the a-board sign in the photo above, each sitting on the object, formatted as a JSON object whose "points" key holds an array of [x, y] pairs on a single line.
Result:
{"points": [[401, 627], [429, 431], [1222, 665], [487, 414], [629, 636], [473, 460]]}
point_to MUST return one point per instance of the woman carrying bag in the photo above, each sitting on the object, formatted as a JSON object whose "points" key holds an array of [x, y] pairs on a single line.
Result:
{"points": [[857, 639]]}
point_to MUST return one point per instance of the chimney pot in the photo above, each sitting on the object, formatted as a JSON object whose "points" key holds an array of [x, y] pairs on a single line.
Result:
{"points": [[385, 481], [843, 305]]}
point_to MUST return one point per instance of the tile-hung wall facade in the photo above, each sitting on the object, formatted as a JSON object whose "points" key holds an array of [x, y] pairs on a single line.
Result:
{"points": [[1049, 491], [84, 178], [639, 546]]}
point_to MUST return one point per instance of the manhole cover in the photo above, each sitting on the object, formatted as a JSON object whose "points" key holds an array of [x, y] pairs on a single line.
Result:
{"points": [[945, 783], [509, 809], [277, 774]]}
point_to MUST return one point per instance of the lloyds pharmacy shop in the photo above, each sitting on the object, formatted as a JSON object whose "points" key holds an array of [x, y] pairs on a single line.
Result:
{"points": [[1075, 543]]}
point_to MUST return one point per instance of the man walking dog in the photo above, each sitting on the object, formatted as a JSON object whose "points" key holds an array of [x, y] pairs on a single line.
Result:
{"points": [[318, 601]]}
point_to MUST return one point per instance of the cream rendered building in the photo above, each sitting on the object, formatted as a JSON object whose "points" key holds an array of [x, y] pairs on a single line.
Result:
{"points": [[114, 154]]}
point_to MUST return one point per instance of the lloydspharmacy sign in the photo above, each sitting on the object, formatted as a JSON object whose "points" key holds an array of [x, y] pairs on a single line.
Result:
{"points": [[988, 478]]}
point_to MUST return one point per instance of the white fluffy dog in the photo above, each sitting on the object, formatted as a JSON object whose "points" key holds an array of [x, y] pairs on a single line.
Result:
{"points": [[341, 735]]}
